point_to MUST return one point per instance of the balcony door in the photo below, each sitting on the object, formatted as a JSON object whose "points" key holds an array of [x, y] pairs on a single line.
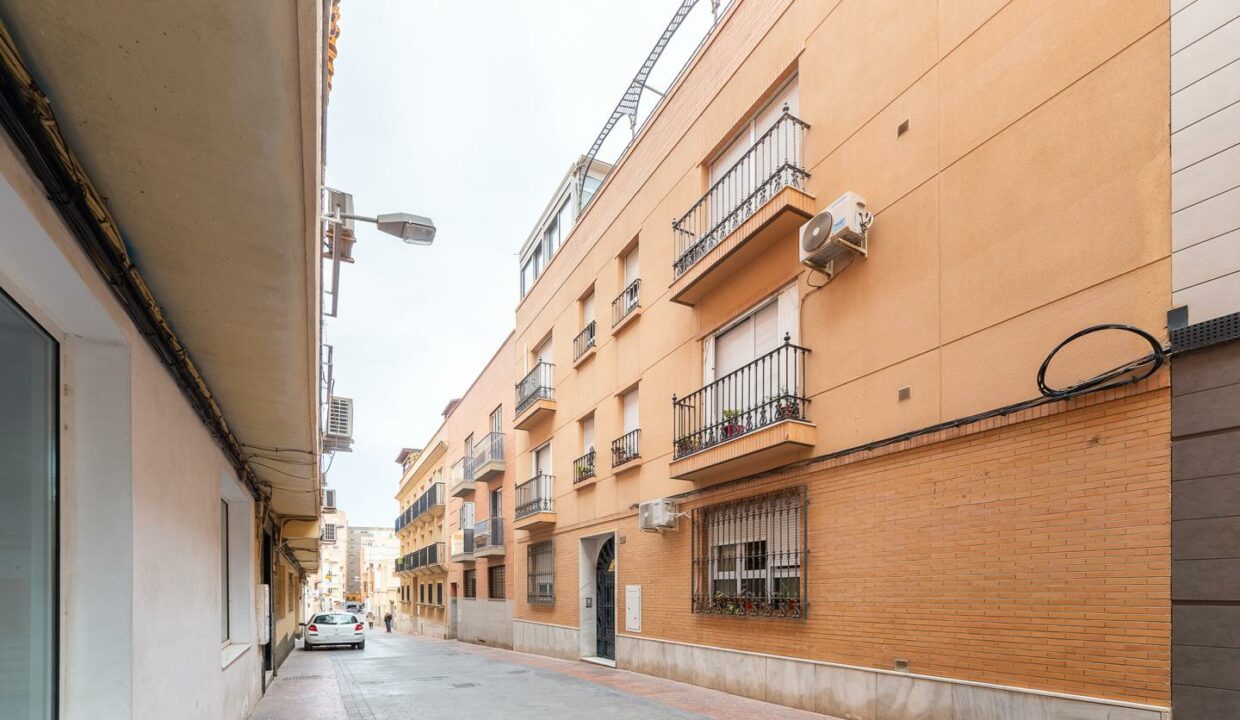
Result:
{"points": [[731, 360], [736, 182], [28, 474]]}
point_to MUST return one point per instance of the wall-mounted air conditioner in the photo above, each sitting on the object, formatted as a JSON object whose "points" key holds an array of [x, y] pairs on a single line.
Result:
{"points": [[836, 232], [657, 515], [329, 500], [339, 433]]}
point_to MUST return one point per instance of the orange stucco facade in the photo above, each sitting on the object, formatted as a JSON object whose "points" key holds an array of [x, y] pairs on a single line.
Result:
{"points": [[1015, 157]]}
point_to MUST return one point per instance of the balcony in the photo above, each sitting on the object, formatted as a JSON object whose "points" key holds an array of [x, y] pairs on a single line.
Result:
{"points": [[489, 538], [461, 477], [627, 305], [429, 505], [754, 207], [423, 561], [535, 396], [748, 421], [535, 503], [584, 344], [489, 457], [463, 545], [626, 448], [583, 467]]}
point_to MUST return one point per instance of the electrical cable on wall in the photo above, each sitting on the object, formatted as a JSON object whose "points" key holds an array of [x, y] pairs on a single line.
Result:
{"points": [[1127, 374]]}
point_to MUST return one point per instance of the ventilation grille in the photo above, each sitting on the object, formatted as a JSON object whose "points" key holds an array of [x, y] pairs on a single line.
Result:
{"points": [[1204, 334]]}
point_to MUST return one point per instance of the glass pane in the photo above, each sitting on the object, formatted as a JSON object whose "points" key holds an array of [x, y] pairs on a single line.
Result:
{"points": [[28, 359]]}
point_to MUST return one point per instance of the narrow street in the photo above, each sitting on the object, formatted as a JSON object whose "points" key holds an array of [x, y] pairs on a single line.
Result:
{"points": [[403, 676]]}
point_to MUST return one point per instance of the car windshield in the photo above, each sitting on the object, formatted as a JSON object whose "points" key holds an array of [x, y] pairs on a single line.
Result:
{"points": [[335, 619]]}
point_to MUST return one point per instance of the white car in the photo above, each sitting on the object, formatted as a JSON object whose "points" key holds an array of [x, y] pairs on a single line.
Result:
{"points": [[335, 628]]}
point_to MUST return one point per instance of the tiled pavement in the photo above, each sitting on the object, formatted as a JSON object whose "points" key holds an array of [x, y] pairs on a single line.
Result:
{"points": [[403, 676]]}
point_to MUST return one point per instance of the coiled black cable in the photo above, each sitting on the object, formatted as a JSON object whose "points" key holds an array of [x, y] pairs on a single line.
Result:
{"points": [[1136, 370]]}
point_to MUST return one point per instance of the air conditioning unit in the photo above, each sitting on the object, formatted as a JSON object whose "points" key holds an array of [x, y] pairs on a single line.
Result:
{"points": [[339, 434], [835, 232], [657, 515], [329, 500]]}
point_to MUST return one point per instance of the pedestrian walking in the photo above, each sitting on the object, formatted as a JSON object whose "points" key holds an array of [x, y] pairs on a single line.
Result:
{"points": [[370, 618], [387, 620]]}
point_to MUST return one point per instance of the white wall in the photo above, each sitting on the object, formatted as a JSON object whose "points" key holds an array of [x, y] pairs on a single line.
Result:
{"points": [[1205, 157], [140, 491]]}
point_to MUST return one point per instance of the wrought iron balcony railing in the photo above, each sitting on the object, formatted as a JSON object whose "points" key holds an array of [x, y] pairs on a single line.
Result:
{"points": [[535, 495], [774, 162], [583, 467], [764, 392], [423, 557], [489, 533], [431, 498], [626, 302], [489, 449], [535, 386], [626, 448], [584, 341]]}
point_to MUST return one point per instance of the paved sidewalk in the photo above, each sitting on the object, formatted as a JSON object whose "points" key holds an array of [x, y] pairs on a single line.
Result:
{"points": [[404, 676]]}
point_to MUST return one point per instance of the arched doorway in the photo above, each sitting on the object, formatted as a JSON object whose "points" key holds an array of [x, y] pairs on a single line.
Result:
{"points": [[605, 602]]}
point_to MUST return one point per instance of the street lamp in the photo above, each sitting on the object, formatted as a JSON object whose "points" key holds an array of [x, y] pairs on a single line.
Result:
{"points": [[413, 229]]}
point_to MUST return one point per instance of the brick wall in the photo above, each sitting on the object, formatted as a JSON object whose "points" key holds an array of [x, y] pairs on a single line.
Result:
{"points": [[1032, 553]]}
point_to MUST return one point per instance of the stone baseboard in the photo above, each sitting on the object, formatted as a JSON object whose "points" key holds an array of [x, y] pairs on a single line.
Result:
{"points": [[545, 639], [856, 693]]}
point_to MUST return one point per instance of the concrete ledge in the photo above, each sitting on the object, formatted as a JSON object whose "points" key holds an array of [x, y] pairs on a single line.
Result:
{"points": [[859, 693]]}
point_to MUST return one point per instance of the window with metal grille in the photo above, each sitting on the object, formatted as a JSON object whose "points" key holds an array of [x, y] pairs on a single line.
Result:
{"points": [[471, 583], [540, 573], [439, 593], [749, 556], [329, 533], [422, 594], [495, 582]]}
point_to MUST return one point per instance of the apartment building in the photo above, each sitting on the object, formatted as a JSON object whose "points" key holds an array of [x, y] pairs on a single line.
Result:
{"points": [[328, 585], [376, 571], [159, 340], [480, 490], [875, 505], [1205, 330], [423, 562]]}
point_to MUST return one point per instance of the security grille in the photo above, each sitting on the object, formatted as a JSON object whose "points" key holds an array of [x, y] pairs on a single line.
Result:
{"points": [[329, 534], [749, 556], [540, 573], [495, 582]]}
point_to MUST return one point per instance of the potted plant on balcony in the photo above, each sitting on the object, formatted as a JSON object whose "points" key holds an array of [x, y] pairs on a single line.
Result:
{"points": [[583, 470], [686, 445], [731, 425], [786, 406]]}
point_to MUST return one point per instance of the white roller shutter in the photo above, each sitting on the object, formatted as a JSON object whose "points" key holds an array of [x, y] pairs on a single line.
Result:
{"points": [[630, 411]]}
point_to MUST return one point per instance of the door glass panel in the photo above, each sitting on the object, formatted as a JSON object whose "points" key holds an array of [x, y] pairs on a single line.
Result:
{"points": [[28, 448]]}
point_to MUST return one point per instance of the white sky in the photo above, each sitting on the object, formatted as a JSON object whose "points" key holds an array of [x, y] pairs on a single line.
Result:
{"points": [[470, 113]]}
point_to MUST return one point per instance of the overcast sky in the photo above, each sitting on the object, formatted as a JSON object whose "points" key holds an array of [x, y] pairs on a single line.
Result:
{"points": [[470, 113]]}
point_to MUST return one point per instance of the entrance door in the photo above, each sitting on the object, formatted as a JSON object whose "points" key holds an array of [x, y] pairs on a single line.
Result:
{"points": [[605, 599]]}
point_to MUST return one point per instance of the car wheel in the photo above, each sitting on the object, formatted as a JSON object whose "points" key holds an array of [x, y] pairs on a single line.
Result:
{"points": [[307, 646], [361, 645]]}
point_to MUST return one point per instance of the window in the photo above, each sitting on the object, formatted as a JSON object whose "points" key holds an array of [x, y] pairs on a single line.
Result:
{"points": [[497, 509], [627, 447], [586, 338], [495, 582], [548, 243], [421, 593], [439, 593], [754, 129], [540, 573], [497, 420], [588, 188], [471, 583], [748, 555], [329, 499], [329, 534], [224, 590]]}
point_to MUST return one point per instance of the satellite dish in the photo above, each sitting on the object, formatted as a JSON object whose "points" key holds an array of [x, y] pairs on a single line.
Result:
{"points": [[816, 232]]}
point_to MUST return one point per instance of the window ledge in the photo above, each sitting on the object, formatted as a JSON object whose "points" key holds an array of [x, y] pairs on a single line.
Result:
{"points": [[230, 652]]}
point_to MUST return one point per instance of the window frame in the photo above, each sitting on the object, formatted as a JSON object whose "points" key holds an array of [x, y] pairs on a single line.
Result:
{"points": [[470, 584], [495, 590], [746, 543], [540, 584]]}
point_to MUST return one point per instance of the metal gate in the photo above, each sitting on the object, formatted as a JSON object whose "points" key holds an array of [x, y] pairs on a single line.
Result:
{"points": [[605, 599]]}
